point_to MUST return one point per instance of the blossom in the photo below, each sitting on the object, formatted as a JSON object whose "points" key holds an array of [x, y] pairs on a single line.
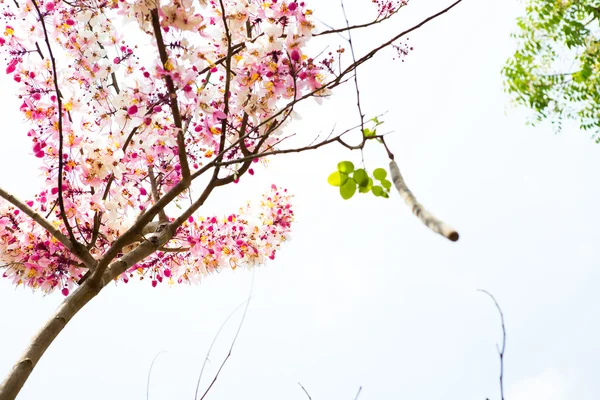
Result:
{"points": [[117, 122]]}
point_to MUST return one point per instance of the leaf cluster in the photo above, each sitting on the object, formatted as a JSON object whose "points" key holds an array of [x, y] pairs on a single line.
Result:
{"points": [[556, 68], [351, 180]]}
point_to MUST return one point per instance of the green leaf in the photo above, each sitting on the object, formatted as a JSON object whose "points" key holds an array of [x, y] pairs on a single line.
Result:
{"points": [[378, 191], [380, 173], [337, 178], [346, 167], [386, 184], [367, 187], [369, 132], [348, 189], [361, 177]]}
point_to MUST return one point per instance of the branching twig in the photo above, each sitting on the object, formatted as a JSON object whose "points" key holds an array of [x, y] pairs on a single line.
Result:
{"points": [[230, 348], [429, 220], [500, 350], [213, 343]]}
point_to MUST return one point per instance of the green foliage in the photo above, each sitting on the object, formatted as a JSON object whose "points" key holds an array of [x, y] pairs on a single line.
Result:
{"points": [[349, 180], [556, 69]]}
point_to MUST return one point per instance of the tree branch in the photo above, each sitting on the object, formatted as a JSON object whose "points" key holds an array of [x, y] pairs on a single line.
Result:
{"points": [[61, 203], [85, 257], [162, 51], [428, 219], [162, 216]]}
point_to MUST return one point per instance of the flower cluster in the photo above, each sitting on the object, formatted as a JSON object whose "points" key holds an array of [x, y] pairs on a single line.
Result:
{"points": [[101, 94]]}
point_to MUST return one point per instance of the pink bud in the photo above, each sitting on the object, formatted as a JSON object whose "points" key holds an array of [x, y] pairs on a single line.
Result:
{"points": [[154, 283], [65, 291], [292, 6], [132, 110], [295, 55], [251, 171], [167, 273], [70, 22], [143, 191]]}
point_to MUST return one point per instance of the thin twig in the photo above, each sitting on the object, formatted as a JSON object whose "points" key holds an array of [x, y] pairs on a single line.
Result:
{"points": [[150, 372], [232, 343], [358, 393], [500, 350], [213, 343], [305, 391]]}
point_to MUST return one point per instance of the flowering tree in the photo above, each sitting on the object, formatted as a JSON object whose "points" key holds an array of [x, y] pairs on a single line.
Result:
{"points": [[136, 106]]}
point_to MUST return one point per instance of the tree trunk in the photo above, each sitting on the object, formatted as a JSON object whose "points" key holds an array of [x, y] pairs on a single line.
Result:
{"points": [[17, 377]]}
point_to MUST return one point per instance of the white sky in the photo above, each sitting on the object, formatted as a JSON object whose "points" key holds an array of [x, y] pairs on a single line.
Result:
{"points": [[364, 295]]}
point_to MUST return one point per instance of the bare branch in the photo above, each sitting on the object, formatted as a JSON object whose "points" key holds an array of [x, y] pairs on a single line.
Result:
{"points": [[305, 391], [429, 220], [150, 372], [237, 333], [500, 350], [358, 393], [215, 340], [349, 28]]}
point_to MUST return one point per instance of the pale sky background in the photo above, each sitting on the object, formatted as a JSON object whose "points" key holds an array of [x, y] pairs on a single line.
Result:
{"points": [[364, 295]]}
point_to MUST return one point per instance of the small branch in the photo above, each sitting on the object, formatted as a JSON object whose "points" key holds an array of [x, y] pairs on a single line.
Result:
{"points": [[162, 216], [61, 203], [162, 51], [85, 257], [500, 350], [227, 87], [44, 223], [213, 343], [150, 372], [358, 106], [305, 391], [358, 393], [429, 220], [232, 343], [348, 28]]}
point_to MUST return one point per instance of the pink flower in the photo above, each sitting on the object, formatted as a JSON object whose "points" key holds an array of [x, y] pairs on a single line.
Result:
{"points": [[219, 115], [295, 56], [12, 66]]}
